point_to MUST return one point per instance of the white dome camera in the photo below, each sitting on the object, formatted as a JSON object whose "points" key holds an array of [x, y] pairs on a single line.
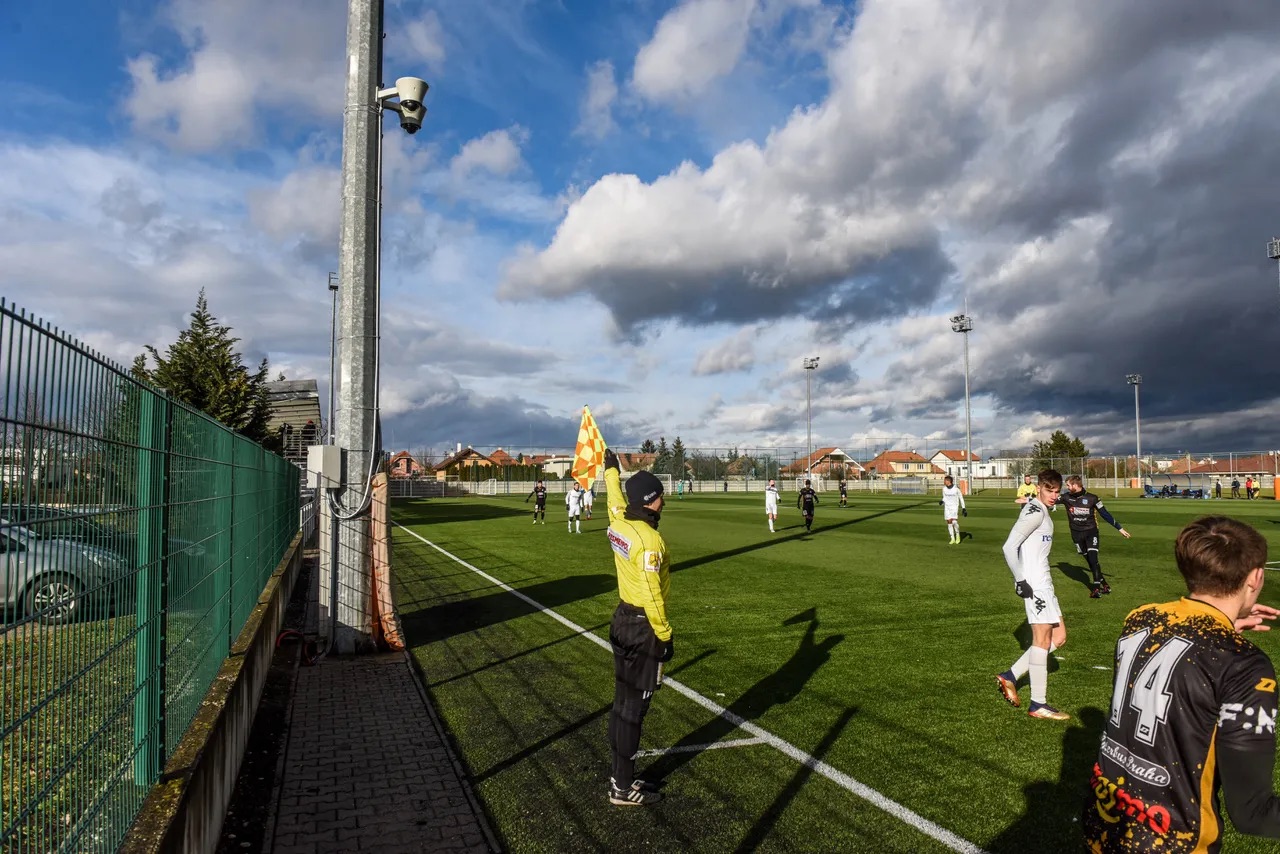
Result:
{"points": [[412, 111]]}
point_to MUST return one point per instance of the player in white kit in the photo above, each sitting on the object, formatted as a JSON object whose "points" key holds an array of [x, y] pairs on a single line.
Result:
{"points": [[588, 498], [952, 506], [1027, 553], [573, 503], [771, 502]]}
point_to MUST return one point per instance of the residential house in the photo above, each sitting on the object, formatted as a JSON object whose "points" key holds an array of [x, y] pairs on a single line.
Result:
{"points": [[830, 463], [467, 456], [403, 464], [901, 464], [952, 462]]}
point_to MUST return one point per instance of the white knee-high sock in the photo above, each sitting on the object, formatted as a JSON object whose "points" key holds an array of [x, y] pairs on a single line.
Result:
{"points": [[1039, 673], [1022, 665]]}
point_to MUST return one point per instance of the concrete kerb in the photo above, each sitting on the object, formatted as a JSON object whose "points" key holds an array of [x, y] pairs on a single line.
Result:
{"points": [[185, 809]]}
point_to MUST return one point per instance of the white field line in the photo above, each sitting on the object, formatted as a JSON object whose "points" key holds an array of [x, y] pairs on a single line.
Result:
{"points": [[849, 784], [698, 748]]}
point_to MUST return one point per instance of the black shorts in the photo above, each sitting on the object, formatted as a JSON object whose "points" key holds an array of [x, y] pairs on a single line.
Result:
{"points": [[1085, 540], [636, 648]]}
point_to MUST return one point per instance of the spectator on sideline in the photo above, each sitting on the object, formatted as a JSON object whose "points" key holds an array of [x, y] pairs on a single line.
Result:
{"points": [[1235, 487]]}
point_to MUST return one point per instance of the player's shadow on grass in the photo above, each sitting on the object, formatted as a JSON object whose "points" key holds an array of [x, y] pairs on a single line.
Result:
{"points": [[1051, 820], [446, 619], [414, 513], [801, 535], [781, 686], [1077, 573], [760, 830]]}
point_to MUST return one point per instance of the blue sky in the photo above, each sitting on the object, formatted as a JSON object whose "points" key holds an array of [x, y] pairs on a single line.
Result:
{"points": [[661, 208]]}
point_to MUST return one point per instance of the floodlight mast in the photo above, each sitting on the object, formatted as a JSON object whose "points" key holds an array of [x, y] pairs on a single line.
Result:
{"points": [[1273, 249], [1135, 380], [963, 324], [810, 365]]}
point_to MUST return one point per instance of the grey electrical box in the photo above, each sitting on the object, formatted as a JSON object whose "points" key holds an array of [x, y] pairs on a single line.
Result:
{"points": [[324, 467]]}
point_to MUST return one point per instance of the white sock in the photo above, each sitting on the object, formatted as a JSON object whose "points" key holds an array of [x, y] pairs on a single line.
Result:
{"points": [[955, 529], [1022, 665], [578, 526], [1039, 673]]}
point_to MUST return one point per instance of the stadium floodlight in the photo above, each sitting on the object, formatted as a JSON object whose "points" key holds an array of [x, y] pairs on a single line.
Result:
{"points": [[810, 365], [963, 324], [1273, 249], [333, 339], [1135, 380]]}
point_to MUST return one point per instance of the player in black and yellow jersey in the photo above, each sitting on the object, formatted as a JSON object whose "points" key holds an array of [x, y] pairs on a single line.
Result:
{"points": [[539, 494], [639, 633], [806, 500], [1193, 709]]}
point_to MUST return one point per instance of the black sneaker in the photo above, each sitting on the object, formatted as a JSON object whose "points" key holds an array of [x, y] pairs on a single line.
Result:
{"points": [[636, 795], [1095, 592], [1106, 588]]}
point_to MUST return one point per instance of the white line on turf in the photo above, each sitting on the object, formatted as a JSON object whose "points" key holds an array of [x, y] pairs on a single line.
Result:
{"points": [[849, 784], [698, 748]]}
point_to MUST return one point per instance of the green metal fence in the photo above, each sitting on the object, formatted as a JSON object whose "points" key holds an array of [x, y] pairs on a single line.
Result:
{"points": [[136, 535]]}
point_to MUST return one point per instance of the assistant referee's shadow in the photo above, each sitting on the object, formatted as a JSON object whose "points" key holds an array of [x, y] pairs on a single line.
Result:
{"points": [[780, 686], [1050, 821]]}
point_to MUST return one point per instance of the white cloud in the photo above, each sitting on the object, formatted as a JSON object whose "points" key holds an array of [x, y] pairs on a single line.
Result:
{"points": [[425, 37], [597, 104], [694, 45], [244, 58], [735, 353], [307, 204], [497, 152]]}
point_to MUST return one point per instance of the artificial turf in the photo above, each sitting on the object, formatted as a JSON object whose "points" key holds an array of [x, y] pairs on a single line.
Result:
{"points": [[869, 644]]}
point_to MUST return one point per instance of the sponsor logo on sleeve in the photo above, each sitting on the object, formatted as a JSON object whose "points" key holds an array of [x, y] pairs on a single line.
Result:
{"points": [[1266, 685], [652, 561], [619, 543], [1248, 718]]}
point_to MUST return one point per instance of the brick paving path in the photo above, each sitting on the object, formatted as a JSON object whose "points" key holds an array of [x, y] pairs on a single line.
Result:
{"points": [[367, 768]]}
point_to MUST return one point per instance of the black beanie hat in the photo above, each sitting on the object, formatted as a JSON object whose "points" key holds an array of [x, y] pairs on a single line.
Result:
{"points": [[642, 488]]}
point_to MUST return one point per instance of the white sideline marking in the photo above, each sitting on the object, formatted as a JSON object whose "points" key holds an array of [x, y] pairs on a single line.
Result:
{"points": [[861, 790], [698, 748]]}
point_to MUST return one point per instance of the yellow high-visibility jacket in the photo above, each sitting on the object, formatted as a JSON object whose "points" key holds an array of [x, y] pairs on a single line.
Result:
{"points": [[640, 558]]}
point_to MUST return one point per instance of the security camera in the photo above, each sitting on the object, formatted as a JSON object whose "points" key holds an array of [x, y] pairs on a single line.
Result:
{"points": [[412, 111]]}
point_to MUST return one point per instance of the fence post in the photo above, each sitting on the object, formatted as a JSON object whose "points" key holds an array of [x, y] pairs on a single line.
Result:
{"points": [[155, 432]]}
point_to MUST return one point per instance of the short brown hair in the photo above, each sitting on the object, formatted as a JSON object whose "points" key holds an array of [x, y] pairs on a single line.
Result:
{"points": [[1074, 478], [1050, 478], [1216, 554]]}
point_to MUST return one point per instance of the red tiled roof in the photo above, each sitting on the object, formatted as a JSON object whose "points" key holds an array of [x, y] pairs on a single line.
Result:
{"points": [[958, 456]]}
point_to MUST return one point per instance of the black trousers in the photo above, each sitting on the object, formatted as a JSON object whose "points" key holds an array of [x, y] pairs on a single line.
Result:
{"points": [[1087, 545], [636, 674]]}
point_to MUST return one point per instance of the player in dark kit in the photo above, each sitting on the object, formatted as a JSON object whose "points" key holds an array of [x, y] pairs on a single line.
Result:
{"points": [[806, 500], [540, 504], [1193, 709], [1081, 507], [844, 494]]}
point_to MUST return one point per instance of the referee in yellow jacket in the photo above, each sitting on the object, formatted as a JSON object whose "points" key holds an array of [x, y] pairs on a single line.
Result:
{"points": [[639, 633]]}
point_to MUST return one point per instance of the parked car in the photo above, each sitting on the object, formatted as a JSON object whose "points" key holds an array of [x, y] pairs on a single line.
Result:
{"points": [[81, 526], [53, 581]]}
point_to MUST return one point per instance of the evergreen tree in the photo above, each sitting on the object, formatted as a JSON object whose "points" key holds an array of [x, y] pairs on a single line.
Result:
{"points": [[677, 459], [647, 447], [662, 463], [203, 370], [1057, 451]]}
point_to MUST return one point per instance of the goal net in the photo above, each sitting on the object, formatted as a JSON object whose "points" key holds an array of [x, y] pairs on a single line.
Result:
{"points": [[815, 482], [488, 487], [908, 486]]}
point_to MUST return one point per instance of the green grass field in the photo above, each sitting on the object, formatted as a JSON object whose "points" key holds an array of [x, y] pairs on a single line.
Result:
{"points": [[869, 645]]}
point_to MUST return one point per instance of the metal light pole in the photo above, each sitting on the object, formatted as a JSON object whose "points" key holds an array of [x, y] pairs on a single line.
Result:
{"points": [[1135, 380], [963, 324], [356, 421], [1273, 249], [333, 342], [810, 365]]}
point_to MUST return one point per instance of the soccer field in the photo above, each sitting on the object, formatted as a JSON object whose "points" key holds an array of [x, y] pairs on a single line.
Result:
{"points": [[855, 666]]}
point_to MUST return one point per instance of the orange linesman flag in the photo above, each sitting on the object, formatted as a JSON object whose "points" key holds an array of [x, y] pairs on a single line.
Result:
{"points": [[588, 456]]}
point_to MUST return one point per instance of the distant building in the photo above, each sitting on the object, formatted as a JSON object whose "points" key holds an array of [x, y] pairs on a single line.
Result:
{"points": [[403, 464], [831, 463], [952, 462], [901, 464]]}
